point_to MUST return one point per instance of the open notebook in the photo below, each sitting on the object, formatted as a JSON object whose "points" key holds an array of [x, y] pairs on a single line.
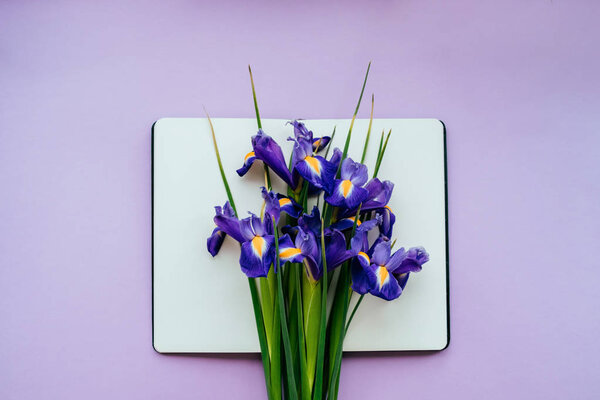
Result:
{"points": [[202, 304]]}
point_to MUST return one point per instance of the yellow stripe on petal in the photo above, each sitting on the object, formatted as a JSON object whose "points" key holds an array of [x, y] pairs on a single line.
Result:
{"points": [[352, 219], [284, 201], [314, 164], [289, 253], [364, 256], [346, 187], [251, 154], [317, 143], [258, 245], [388, 207], [382, 275]]}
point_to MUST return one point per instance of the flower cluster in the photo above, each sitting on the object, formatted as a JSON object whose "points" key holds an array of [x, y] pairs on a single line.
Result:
{"points": [[305, 255], [354, 206]]}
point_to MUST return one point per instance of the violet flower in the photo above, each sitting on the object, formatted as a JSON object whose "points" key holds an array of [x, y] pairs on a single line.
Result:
{"points": [[256, 237], [268, 151], [391, 270], [215, 240]]}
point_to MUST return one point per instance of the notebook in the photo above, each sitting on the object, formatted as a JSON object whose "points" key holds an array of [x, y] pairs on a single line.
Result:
{"points": [[202, 304]]}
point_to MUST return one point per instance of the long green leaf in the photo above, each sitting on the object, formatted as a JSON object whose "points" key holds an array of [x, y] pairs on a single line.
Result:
{"points": [[305, 372], [318, 390], [364, 153], [258, 316], [259, 123], [266, 300], [283, 320], [360, 299], [254, 98], [276, 358], [381, 153], [312, 320], [338, 320], [354, 116], [345, 284]]}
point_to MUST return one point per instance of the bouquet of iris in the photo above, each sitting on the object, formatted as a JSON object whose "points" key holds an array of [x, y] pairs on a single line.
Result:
{"points": [[327, 238]]}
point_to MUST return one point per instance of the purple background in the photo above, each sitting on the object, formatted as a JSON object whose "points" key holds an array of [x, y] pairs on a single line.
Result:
{"points": [[515, 82]]}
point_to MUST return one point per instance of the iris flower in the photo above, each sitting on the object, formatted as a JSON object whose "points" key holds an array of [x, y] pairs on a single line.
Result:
{"points": [[348, 191], [314, 169], [303, 249], [215, 241], [379, 194], [275, 203], [363, 277], [258, 248], [267, 150], [335, 160], [390, 270], [306, 247], [387, 221], [255, 236], [301, 131]]}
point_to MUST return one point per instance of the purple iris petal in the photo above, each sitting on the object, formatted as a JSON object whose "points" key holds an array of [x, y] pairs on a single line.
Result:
{"points": [[313, 268], [302, 149], [363, 277], [408, 261], [257, 255], [288, 250], [336, 249], [387, 221], [356, 173], [271, 204], [336, 157], [359, 241], [386, 286], [402, 279], [227, 223], [347, 191], [346, 195], [227, 218], [319, 144], [289, 206], [343, 224], [253, 226], [381, 254], [267, 150], [311, 221], [314, 169], [215, 241], [228, 210], [248, 161], [306, 241], [379, 194], [300, 130]]}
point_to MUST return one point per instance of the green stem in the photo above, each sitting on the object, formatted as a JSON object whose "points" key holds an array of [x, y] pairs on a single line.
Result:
{"points": [[381, 153], [261, 334], [304, 377], [341, 307], [254, 98], [330, 141], [284, 329], [364, 153], [318, 390], [354, 116], [362, 296]]}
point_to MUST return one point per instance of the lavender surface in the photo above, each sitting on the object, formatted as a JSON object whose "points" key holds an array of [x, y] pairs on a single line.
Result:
{"points": [[515, 82]]}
